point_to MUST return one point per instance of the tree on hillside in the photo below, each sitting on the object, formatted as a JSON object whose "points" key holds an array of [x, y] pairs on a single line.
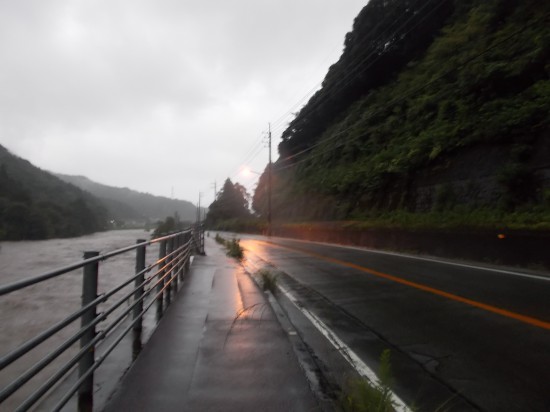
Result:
{"points": [[36, 205], [231, 202], [374, 53]]}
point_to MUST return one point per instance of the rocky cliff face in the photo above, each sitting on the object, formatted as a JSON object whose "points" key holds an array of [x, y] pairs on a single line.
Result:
{"points": [[485, 175], [433, 105]]}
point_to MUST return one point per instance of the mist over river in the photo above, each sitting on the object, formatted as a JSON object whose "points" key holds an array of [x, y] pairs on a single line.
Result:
{"points": [[25, 313]]}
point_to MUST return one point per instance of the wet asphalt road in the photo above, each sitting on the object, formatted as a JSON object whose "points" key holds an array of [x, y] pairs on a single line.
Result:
{"points": [[462, 337]]}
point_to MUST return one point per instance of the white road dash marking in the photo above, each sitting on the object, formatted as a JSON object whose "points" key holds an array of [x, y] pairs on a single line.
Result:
{"points": [[427, 259], [345, 350]]}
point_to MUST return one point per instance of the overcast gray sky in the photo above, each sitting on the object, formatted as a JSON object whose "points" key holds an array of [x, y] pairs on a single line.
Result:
{"points": [[160, 95]]}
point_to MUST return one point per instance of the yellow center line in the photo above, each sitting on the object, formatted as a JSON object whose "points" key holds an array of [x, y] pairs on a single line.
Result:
{"points": [[503, 312]]}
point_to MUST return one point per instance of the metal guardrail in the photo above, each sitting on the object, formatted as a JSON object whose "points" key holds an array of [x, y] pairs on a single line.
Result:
{"points": [[152, 285]]}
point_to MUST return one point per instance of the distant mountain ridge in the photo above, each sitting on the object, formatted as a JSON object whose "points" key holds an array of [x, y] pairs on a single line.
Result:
{"points": [[133, 207], [34, 204]]}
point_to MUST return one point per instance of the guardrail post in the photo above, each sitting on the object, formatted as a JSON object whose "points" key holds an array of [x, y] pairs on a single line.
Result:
{"points": [[169, 270], [138, 297], [182, 243], [198, 239], [184, 238], [160, 287], [187, 240], [201, 234], [177, 264], [89, 294]]}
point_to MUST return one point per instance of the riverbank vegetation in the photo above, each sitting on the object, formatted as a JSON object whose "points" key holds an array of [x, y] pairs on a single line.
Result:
{"points": [[169, 225]]}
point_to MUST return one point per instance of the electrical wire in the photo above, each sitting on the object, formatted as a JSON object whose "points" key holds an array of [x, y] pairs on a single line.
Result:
{"points": [[361, 59], [349, 81], [406, 95], [366, 38], [343, 82]]}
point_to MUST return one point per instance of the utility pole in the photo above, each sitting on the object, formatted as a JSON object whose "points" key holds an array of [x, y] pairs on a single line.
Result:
{"points": [[269, 183], [215, 190], [199, 209]]}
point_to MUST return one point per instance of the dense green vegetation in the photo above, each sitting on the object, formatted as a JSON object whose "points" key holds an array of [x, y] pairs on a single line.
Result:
{"points": [[169, 225], [435, 110], [36, 205], [229, 209]]}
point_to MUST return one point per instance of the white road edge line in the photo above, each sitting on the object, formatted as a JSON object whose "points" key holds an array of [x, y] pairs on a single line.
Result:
{"points": [[345, 350], [445, 262]]}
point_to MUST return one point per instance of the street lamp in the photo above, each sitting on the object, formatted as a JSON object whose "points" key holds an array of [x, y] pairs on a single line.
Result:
{"points": [[247, 171]]}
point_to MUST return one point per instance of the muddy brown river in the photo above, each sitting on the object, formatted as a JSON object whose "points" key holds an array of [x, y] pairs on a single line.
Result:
{"points": [[25, 313]]}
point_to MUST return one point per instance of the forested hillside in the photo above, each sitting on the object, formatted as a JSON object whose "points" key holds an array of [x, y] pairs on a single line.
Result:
{"points": [[435, 106], [37, 205], [129, 207]]}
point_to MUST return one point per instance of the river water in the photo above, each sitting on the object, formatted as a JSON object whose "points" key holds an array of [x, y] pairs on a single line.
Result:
{"points": [[25, 313]]}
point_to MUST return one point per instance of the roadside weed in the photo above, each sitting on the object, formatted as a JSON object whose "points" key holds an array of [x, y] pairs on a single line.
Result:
{"points": [[232, 246], [246, 313], [269, 280], [234, 249], [362, 395]]}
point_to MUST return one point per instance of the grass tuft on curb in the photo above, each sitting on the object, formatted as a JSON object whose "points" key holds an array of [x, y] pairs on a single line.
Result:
{"points": [[362, 395], [268, 279], [233, 247]]}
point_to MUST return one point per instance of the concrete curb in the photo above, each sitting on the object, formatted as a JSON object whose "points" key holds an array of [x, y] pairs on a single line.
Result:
{"points": [[323, 390]]}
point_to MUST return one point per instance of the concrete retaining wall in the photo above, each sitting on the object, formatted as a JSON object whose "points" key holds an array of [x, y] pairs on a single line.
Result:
{"points": [[530, 250]]}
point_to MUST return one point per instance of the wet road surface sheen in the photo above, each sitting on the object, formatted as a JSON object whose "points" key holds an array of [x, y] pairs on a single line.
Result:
{"points": [[218, 347], [468, 338]]}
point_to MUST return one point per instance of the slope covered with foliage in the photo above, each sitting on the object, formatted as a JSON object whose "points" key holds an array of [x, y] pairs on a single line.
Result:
{"points": [[34, 204], [434, 106]]}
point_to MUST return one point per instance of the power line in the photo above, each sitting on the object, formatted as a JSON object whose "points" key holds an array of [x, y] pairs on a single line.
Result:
{"points": [[366, 38], [256, 147], [403, 97], [257, 144], [349, 81], [279, 121], [353, 73], [215, 190]]}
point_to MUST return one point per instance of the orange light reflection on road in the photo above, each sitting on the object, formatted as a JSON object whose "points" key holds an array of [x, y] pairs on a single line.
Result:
{"points": [[503, 312], [256, 247]]}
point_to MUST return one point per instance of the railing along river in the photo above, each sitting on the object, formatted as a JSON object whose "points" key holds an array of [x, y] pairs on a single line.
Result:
{"points": [[153, 285]]}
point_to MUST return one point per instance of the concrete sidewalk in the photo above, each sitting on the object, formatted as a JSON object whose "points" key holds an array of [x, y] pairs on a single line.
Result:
{"points": [[203, 357]]}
